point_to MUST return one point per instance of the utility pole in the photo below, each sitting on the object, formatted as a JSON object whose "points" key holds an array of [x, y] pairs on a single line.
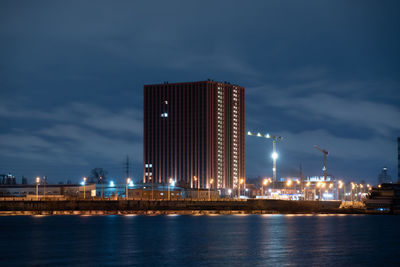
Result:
{"points": [[44, 185], [127, 167], [301, 178]]}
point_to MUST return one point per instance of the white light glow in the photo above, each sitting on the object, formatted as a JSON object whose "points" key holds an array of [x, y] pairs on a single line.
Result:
{"points": [[274, 155]]}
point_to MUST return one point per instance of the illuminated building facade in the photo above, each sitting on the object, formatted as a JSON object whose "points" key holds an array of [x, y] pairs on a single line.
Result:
{"points": [[194, 133]]}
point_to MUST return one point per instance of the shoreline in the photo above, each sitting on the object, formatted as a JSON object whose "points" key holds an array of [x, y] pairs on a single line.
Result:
{"points": [[181, 207], [176, 212]]}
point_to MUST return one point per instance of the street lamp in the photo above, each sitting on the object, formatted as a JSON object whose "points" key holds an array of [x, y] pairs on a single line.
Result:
{"points": [[128, 181], [319, 190], [84, 187], [240, 182], [198, 189], [169, 193], [101, 181], [340, 185], [265, 182], [289, 184], [209, 189], [37, 187], [305, 190], [323, 184]]}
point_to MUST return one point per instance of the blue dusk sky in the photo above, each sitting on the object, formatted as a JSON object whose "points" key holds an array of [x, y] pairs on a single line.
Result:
{"points": [[323, 73]]}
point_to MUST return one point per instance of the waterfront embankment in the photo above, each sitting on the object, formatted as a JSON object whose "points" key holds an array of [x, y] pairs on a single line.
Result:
{"points": [[100, 207]]}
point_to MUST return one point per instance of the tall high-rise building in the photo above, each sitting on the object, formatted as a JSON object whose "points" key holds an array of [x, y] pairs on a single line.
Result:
{"points": [[398, 160], [384, 177], [194, 133]]}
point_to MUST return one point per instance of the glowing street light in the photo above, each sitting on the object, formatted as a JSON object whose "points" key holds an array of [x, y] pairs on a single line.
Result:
{"points": [[37, 187], [169, 193], [265, 182], [101, 181], [306, 191], [353, 186], [240, 182], [209, 188], [84, 187], [128, 182], [198, 187], [340, 185]]}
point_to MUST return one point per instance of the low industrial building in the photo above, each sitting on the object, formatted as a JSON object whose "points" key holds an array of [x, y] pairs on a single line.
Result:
{"points": [[48, 190]]}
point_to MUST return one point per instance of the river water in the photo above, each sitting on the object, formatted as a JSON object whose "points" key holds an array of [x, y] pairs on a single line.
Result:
{"points": [[224, 240]]}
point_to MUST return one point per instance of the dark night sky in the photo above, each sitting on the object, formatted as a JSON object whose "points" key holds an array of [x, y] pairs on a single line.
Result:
{"points": [[315, 72]]}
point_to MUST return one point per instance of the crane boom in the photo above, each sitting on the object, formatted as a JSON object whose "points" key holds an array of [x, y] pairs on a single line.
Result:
{"points": [[321, 149]]}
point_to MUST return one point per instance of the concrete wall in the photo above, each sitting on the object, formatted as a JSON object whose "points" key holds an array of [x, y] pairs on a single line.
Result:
{"points": [[249, 206]]}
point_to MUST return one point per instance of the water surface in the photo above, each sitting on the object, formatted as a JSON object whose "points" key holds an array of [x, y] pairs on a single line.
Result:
{"points": [[224, 240]]}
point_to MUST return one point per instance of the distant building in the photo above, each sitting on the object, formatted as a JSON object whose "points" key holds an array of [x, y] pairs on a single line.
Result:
{"points": [[74, 190], [319, 179], [384, 198], [384, 177], [7, 179], [194, 132]]}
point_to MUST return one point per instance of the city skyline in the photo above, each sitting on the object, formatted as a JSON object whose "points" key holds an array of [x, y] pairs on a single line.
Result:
{"points": [[71, 86]]}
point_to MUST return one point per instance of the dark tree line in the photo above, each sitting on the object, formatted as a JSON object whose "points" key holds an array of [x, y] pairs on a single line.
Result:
{"points": [[98, 176]]}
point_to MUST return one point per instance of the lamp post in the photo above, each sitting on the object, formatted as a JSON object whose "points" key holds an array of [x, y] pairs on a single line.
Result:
{"points": [[322, 186], [37, 187], [340, 185], [319, 190], [198, 190], [344, 192], [305, 190], [116, 190], [128, 181], [265, 182], [169, 193], [101, 181], [84, 187], [152, 188], [240, 182], [44, 186], [288, 183], [209, 189]]}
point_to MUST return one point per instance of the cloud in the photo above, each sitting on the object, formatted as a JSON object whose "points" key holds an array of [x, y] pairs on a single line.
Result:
{"points": [[75, 134], [314, 101], [356, 121]]}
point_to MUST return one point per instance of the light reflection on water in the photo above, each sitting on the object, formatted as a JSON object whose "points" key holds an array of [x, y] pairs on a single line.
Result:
{"points": [[179, 240]]}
